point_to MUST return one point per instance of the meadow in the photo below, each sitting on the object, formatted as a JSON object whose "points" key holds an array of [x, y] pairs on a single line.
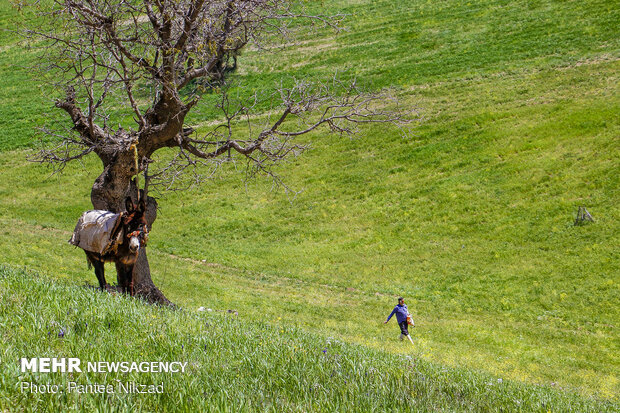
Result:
{"points": [[470, 217]]}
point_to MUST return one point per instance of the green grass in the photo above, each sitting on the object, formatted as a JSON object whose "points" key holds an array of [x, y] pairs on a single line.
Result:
{"points": [[232, 364], [470, 218]]}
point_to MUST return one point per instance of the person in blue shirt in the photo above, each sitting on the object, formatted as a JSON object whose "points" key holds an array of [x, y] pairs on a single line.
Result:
{"points": [[401, 317]]}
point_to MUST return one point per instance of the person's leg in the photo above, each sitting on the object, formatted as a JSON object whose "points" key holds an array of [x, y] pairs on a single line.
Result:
{"points": [[403, 329]]}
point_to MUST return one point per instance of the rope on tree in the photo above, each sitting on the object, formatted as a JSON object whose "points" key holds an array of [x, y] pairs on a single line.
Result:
{"points": [[134, 146]]}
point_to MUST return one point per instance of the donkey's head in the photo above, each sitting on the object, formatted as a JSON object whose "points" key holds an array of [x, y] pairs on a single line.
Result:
{"points": [[135, 225]]}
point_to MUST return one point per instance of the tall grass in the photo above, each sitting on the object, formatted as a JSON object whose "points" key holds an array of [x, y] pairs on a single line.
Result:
{"points": [[233, 364]]}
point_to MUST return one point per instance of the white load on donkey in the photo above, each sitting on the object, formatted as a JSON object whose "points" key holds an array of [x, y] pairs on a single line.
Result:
{"points": [[97, 231], [105, 236]]}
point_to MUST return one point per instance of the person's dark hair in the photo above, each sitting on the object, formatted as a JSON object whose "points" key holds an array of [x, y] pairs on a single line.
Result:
{"points": [[400, 299]]}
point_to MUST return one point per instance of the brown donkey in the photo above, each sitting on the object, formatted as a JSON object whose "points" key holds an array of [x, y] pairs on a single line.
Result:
{"points": [[108, 237]]}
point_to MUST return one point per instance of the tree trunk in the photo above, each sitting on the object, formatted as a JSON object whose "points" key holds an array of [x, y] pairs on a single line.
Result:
{"points": [[109, 192]]}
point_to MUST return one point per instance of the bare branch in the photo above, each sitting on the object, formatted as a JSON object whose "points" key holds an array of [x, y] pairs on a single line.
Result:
{"points": [[66, 150], [120, 59]]}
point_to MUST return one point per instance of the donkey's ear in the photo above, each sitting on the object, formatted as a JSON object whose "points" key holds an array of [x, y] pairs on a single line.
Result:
{"points": [[129, 206], [141, 206]]}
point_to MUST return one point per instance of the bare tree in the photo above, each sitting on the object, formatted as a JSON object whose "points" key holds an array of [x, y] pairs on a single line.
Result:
{"points": [[151, 60]]}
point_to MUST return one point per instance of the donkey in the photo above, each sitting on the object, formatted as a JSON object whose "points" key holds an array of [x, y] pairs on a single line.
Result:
{"points": [[132, 234]]}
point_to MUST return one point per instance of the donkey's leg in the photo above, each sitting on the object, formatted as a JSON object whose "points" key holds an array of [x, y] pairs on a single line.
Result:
{"points": [[100, 272], [123, 276], [99, 269], [131, 282], [120, 276]]}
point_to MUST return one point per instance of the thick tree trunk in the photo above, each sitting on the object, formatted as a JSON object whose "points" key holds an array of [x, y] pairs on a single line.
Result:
{"points": [[109, 192], [143, 284]]}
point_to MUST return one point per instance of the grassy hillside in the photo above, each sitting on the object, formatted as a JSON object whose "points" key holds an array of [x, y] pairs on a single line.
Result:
{"points": [[470, 218], [232, 364]]}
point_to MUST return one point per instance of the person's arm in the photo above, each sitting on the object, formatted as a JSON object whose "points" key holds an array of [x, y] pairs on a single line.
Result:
{"points": [[390, 316]]}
